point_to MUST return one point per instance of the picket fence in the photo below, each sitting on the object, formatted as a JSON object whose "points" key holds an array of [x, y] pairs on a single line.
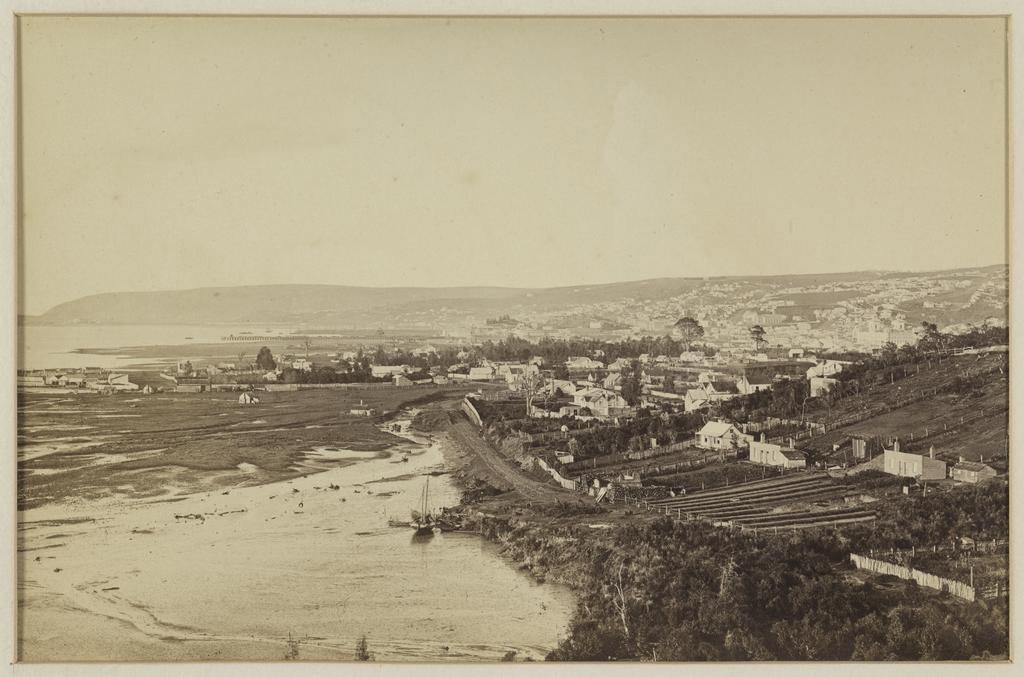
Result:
{"points": [[957, 588], [566, 482], [471, 412]]}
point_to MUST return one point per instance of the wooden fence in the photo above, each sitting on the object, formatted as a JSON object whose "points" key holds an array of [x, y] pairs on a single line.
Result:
{"points": [[471, 412], [565, 482], [958, 588], [621, 457]]}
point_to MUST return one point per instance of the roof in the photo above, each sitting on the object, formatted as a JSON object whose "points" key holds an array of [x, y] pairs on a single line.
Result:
{"points": [[793, 454], [716, 428], [724, 386], [757, 379], [972, 466]]}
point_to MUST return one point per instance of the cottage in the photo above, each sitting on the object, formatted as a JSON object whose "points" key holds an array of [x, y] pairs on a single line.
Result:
{"points": [[905, 464], [71, 381], [120, 382], [765, 453], [753, 383], [825, 368], [583, 364], [601, 402], [821, 385], [302, 364], [719, 435], [696, 398], [481, 373], [387, 370], [972, 472]]}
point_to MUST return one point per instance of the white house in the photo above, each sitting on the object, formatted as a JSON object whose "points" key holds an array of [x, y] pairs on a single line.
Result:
{"points": [[302, 364], [583, 363], [775, 455], [121, 382], [821, 385], [388, 370], [696, 398], [601, 402], [719, 435], [754, 383], [481, 373], [905, 464], [825, 368]]}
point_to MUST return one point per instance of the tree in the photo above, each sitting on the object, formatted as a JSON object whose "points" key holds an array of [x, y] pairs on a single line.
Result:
{"points": [[757, 333], [689, 330], [670, 383], [265, 359], [531, 384], [631, 383]]}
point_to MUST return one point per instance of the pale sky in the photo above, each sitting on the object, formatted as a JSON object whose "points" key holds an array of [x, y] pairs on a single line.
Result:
{"points": [[168, 153]]}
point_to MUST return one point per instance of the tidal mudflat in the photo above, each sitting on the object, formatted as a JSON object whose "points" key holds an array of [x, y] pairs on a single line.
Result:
{"points": [[204, 530]]}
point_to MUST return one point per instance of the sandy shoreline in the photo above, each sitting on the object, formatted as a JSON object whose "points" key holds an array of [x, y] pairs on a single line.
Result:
{"points": [[236, 573]]}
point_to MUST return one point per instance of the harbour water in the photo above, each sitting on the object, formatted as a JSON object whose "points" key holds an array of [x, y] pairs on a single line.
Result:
{"points": [[54, 346]]}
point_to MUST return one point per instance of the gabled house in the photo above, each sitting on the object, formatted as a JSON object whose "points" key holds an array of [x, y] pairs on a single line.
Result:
{"points": [[481, 373], [972, 472], [583, 363], [753, 383], [905, 464], [763, 452], [719, 435], [602, 403], [388, 370], [696, 398]]}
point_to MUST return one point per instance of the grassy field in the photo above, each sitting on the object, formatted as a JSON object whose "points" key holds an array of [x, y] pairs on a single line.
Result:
{"points": [[92, 446], [971, 424]]}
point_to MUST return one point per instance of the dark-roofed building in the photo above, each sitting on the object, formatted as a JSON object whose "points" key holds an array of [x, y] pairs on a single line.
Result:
{"points": [[754, 383]]}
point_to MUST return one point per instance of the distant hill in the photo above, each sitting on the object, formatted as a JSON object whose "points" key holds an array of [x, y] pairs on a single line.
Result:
{"points": [[351, 306]]}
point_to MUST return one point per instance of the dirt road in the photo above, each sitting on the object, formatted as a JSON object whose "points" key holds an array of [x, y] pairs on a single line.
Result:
{"points": [[500, 471]]}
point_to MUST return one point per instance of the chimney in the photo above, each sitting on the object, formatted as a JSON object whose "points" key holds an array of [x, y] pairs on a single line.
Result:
{"points": [[789, 442], [961, 459], [931, 452], [764, 437], [896, 444]]}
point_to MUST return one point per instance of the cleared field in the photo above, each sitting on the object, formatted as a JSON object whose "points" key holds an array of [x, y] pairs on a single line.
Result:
{"points": [[776, 503]]}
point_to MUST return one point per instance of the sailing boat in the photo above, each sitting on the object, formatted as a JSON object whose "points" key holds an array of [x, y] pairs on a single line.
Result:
{"points": [[422, 520]]}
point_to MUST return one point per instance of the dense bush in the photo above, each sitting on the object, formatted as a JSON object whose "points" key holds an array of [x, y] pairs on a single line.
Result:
{"points": [[685, 592]]}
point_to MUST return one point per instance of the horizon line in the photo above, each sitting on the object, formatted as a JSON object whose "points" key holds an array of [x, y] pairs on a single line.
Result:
{"points": [[525, 289]]}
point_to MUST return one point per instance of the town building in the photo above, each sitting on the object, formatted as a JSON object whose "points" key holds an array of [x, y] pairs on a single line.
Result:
{"points": [[905, 464], [763, 452], [753, 383]]}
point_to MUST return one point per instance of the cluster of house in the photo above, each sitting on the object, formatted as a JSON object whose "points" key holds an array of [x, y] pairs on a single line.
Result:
{"points": [[86, 379], [589, 402], [725, 436], [928, 468]]}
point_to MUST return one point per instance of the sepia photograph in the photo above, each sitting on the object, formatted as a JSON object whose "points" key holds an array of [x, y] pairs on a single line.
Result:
{"points": [[511, 339]]}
